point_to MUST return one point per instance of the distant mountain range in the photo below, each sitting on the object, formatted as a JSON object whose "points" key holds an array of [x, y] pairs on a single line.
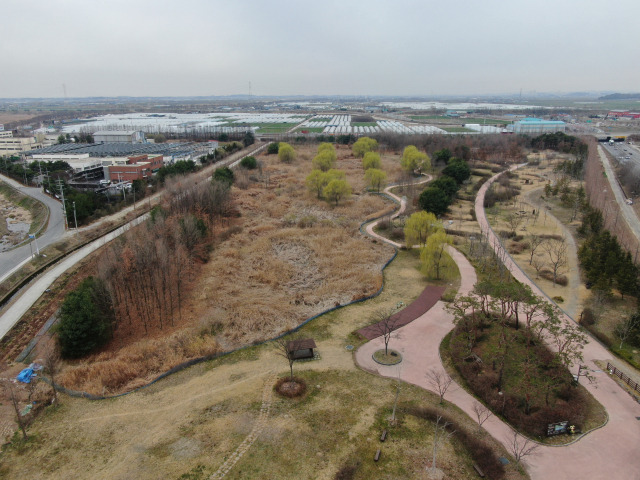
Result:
{"points": [[621, 96]]}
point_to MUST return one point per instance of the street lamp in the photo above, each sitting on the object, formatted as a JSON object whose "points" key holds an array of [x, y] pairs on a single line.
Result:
{"points": [[75, 219]]}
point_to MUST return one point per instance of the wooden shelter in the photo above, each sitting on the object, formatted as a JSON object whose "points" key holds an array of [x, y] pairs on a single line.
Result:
{"points": [[301, 348]]}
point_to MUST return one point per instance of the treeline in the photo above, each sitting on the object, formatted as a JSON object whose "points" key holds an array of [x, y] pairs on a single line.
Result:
{"points": [[563, 143], [141, 276], [605, 263]]}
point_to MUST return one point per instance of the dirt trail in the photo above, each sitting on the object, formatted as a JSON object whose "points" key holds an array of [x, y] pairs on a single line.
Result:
{"points": [[573, 304]]}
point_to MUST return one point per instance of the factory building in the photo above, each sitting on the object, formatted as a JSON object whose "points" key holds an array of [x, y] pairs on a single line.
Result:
{"points": [[127, 169], [537, 126], [119, 136]]}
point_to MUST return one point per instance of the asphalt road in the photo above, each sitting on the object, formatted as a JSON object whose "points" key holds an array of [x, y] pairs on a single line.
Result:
{"points": [[628, 213], [621, 151], [11, 260]]}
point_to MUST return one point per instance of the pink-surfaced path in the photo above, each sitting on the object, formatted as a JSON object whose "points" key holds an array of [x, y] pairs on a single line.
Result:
{"points": [[608, 453]]}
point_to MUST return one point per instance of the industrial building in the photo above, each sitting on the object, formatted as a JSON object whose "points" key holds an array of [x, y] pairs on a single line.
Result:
{"points": [[119, 136], [623, 114], [10, 145], [127, 169], [536, 126], [171, 152], [84, 167]]}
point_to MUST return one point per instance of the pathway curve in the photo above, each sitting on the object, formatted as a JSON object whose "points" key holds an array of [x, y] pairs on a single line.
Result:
{"points": [[403, 206], [608, 453], [255, 431], [604, 454]]}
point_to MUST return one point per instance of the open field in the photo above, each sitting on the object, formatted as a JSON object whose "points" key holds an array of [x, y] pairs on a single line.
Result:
{"points": [[191, 422]]}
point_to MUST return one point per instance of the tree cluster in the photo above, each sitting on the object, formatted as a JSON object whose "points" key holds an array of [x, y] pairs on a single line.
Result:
{"points": [[87, 319], [607, 265], [441, 193], [500, 346], [143, 273]]}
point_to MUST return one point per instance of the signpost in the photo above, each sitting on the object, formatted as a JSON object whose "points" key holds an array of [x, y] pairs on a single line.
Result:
{"points": [[557, 428], [33, 237]]}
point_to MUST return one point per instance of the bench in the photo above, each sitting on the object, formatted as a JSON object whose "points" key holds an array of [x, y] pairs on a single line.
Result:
{"points": [[477, 469], [383, 437], [377, 456]]}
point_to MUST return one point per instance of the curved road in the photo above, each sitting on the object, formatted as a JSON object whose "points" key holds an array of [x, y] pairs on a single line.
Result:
{"points": [[607, 453], [12, 260]]}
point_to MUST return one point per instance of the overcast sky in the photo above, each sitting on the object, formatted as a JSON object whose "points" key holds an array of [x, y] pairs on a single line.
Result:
{"points": [[291, 47]]}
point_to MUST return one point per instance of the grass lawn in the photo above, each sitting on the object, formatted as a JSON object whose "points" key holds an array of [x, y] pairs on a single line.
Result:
{"points": [[273, 127], [310, 129], [457, 129]]}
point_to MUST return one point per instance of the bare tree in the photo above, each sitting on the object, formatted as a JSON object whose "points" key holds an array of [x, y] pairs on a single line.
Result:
{"points": [[538, 264], [520, 447], [557, 252], [626, 327], [51, 364], [514, 222], [385, 325], [10, 388], [440, 381], [440, 434], [535, 241], [282, 349], [482, 413]]}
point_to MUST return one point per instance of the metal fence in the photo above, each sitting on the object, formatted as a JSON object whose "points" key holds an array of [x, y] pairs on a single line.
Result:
{"points": [[622, 376]]}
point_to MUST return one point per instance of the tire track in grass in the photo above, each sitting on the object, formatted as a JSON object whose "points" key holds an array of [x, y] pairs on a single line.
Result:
{"points": [[255, 431]]}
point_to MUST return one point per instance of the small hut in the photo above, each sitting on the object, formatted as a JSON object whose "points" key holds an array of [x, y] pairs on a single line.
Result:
{"points": [[303, 348]]}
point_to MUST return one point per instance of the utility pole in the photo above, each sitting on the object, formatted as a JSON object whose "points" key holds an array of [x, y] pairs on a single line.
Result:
{"points": [[74, 216], [64, 207]]}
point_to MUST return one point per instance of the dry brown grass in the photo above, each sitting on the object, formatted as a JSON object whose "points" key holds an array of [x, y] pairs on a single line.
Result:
{"points": [[136, 364], [287, 257]]}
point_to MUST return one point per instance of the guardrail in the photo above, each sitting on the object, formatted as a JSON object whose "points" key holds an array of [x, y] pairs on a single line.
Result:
{"points": [[624, 377]]}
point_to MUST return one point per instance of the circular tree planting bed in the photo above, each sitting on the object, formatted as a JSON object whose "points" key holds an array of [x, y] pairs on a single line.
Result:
{"points": [[392, 357], [291, 388]]}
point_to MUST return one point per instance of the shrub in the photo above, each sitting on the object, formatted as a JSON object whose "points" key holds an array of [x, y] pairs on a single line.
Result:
{"points": [[291, 389], [587, 318], [249, 163], [273, 148], [224, 175]]}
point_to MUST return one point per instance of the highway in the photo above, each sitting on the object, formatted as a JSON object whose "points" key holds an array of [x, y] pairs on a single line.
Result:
{"points": [[12, 260]]}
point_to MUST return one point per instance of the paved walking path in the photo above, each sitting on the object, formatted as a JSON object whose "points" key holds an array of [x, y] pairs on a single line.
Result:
{"points": [[403, 206], [605, 454]]}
